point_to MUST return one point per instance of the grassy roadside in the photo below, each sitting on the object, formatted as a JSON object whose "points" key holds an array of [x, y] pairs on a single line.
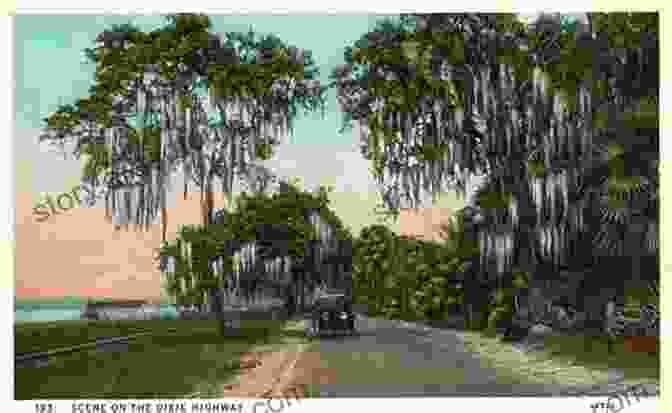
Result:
{"points": [[193, 358], [564, 361], [38, 336]]}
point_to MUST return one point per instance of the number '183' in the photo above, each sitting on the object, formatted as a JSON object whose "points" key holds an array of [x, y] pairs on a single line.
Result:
{"points": [[44, 408]]}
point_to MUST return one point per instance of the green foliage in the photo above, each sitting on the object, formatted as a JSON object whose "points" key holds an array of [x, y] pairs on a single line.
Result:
{"points": [[635, 297], [501, 310], [536, 168], [520, 280], [397, 64], [390, 84], [456, 242], [186, 57], [405, 277], [493, 200], [97, 162], [252, 211]]}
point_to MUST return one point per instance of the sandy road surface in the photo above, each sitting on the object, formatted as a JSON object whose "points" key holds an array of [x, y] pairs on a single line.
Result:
{"points": [[392, 359]]}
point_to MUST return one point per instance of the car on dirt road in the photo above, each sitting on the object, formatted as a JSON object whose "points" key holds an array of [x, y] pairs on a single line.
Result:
{"points": [[332, 314]]}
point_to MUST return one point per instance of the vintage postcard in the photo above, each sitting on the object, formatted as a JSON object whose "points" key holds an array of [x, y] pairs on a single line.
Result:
{"points": [[242, 212]]}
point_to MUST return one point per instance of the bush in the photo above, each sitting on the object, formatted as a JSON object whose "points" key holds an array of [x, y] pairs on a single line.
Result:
{"points": [[501, 316]]}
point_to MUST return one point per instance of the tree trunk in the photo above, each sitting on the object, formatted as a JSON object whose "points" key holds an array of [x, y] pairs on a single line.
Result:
{"points": [[164, 223], [218, 309], [593, 327], [299, 295], [469, 300], [476, 299], [404, 297], [381, 291]]}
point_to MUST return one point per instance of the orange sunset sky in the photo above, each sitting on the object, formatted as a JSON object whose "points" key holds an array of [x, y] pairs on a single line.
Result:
{"points": [[78, 253]]}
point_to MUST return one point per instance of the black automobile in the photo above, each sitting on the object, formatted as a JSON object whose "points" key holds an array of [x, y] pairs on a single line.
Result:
{"points": [[332, 314]]}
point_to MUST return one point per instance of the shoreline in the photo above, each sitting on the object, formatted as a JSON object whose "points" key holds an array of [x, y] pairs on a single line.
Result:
{"points": [[56, 312]]}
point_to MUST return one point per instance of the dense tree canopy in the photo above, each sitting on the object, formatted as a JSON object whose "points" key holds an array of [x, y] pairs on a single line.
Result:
{"points": [[182, 98], [261, 227], [442, 97]]}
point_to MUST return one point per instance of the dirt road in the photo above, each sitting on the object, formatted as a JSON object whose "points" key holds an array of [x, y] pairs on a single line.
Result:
{"points": [[390, 359]]}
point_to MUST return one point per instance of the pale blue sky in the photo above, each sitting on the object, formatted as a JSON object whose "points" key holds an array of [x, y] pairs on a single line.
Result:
{"points": [[49, 60]]}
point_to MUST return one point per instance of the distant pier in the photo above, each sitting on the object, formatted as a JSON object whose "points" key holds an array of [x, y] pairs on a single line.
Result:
{"points": [[119, 310]]}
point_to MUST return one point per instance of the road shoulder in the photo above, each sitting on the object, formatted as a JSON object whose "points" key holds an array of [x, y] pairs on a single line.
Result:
{"points": [[266, 370]]}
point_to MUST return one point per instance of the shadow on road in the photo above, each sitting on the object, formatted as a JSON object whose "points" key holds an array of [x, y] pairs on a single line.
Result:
{"points": [[390, 358]]}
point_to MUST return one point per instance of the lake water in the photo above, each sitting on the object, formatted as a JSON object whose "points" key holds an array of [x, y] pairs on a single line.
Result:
{"points": [[58, 312]]}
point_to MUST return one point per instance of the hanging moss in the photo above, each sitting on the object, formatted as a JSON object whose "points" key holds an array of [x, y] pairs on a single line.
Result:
{"points": [[286, 209], [615, 150], [619, 187], [136, 72]]}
